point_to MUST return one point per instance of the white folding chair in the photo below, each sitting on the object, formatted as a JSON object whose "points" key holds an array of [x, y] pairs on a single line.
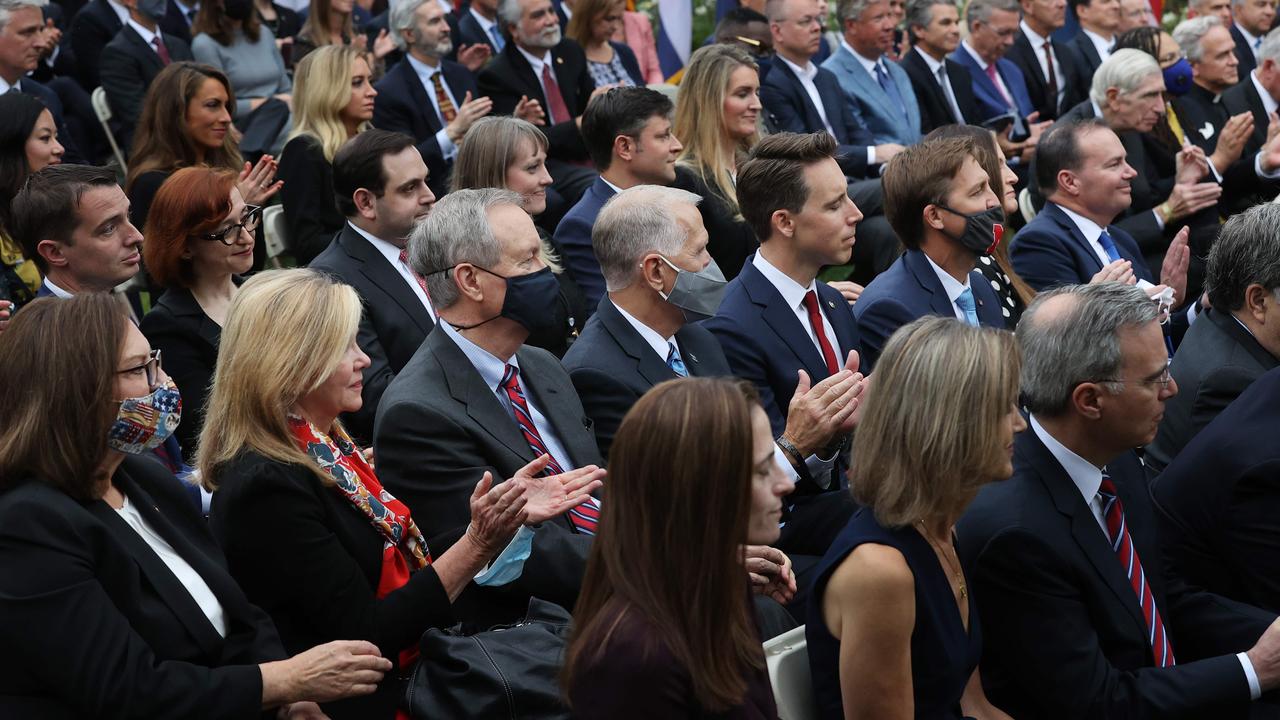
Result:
{"points": [[273, 232], [787, 658], [1024, 205], [102, 109]]}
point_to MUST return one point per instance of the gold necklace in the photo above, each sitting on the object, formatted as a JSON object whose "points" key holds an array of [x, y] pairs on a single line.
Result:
{"points": [[955, 567]]}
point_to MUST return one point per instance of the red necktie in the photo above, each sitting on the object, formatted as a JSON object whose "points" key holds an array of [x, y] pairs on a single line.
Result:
{"points": [[422, 282], [161, 50], [815, 319], [1122, 544], [991, 73], [556, 109], [1052, 85]]}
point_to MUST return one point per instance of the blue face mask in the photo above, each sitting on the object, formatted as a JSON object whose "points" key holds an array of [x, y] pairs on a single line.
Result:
{"points": [[1177, 78], [509, 564]]}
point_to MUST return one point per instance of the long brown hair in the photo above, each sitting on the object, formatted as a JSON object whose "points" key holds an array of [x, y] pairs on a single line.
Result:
{"points": [[316, 26], [700, 117], [191, 201], [212, 20], [668, 548], [161, 142], [58, 364]]}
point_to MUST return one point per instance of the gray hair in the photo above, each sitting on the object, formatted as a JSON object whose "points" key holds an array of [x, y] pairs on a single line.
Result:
{"points": [[1189, 33], [1124, 70], [457, 231], [634, 223], [509, 12], [1247, 252], [980, 10], [919, 13], [8, 6], [847, 10], [400, 18], [1078, 343], [1269, 49]]}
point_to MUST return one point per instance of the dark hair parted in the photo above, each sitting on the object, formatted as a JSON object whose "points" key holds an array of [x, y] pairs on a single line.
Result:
{"points": [[1059, 149], [19, 113], [772, 178], [47, 207], [58, 366], [191, 201], [620, 111], [358, 164], [920, 176], [680, 477]]}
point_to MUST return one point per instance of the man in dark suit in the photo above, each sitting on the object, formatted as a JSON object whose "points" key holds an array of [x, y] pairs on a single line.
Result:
{"points": [[1056, 76], [1099, 20], [132, 60], [943, 86], [1251, 21], [543, 78], [91, 29], [474, 398], [936, 275], [23, 41], [425, 96], [381, 186], [479, 26], [177, 19], [1233, 342], [1256, 177], [1079, 617], [998, 85], [784, 330], [1208, 47], [628, 131]]}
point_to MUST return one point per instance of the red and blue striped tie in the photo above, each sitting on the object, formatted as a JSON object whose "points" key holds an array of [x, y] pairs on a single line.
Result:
{"points": [[1122, 544], [585, 516]]}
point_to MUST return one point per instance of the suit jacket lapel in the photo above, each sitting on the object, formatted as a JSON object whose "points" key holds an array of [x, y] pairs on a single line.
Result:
{"points": [[1259, 111], [648, 364], [374, 266], [467, 387], [182, 302], [832, 99], [812, 117], [1243, 337], [918, 264], [144, 49], [524, 71], [418, 94], [782, 320], [1076, 236]]}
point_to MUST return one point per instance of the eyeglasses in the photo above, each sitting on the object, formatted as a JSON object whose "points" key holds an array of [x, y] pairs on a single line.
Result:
{"points": [[151, 367], [1163, 381], [248, 222]]}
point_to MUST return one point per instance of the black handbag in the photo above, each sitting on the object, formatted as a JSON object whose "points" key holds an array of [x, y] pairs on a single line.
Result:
{"points": [[507, 671]]}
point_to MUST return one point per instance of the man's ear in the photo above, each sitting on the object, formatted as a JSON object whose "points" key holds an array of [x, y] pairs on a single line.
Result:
{"points": [[651, 271], [467, 278], [51, 251], [1068, 182], [364, 200], [932, 216], [1086, 400], [624, 147], [783, 222]]}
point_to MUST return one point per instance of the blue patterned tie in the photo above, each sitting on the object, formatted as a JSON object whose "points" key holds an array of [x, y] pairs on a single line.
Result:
{"points": [[498, 40], [675, 362], [890, 87], [1109, 246], [966, 304]]}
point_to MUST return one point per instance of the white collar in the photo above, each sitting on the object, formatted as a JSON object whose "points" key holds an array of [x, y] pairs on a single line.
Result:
{"points": [[55, 289], [928, 60], [1037, 40], [1103, 45], [982, 64], [791, 291], [1268, 103], [616, 190], [868, 65], [1086, 476], [1249, 37], [147, 35], [808, 72], [388, 250], [121, 11], [6, 87], [423, 70], [954, 288], [1097, 109], [445, 5], [1090, 229], [492, 368], [535, 62], [659, 344], [485, 23], [568, 14]]}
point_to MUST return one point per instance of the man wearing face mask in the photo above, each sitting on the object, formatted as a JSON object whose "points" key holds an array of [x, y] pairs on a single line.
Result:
{"points": [[474, 397], [939, 202], [133, 58]]}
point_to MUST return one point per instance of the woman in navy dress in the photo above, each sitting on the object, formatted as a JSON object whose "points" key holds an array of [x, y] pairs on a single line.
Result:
{"points": [[891, 629]]}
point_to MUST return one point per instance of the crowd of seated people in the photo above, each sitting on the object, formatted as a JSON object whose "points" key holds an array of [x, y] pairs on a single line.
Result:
{"points": [[947, 331]]}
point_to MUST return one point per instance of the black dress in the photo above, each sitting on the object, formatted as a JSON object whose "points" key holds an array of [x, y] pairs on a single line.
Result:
{"points": [[943, 655], [570, 310], [311, 214], [730, 240]]}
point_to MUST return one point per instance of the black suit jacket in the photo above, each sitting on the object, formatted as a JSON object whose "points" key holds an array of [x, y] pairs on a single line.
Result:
{"points": [[308, 557], [935, 111], [1064, 635], [1089, 54], [1240, 181], [394, 322], [1074, 82], [1219, 499], [786, 100], [730, 240], [176, 24], [91, 29], [508, 77], [1216, 361], [129, 64], [439, 428], [311, 216], [1202, 115], [1244, 53], [106, 629], [470, 32], [611, 366], [403, 105]]}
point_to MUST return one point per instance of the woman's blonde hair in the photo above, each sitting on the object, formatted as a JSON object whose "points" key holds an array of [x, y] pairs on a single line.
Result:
{"points": [[585, 13], [700, 117], [932, 428], [285, 333], [321, 89]]}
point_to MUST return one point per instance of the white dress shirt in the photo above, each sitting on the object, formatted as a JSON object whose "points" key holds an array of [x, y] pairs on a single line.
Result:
{"points": [[1101, 44], [954, 288], [867, 64], [1091, 231], [1038, 44], [392, 254], [982, 64], [57, 291], [1087, 478], [1250, 41], [537, 63], [148, 36], [938, 69], [660, 345], [489, 26], [121, 11], [424, 73]]}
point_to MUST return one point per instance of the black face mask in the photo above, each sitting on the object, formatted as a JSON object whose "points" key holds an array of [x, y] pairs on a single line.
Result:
{"points": [[530, 301], [982, 230], [237, 9]]}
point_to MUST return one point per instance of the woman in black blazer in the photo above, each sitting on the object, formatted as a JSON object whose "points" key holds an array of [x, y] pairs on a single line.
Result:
{"points": [[199, 243], [114, 600], [309, 532]]}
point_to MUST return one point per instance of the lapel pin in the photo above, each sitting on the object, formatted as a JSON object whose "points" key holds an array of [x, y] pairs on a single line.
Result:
{"points": [[559, 61], [830, 304]]}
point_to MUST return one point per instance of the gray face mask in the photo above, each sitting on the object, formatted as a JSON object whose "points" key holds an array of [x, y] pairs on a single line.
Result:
{"points": [[153, 9], [698, 294]]}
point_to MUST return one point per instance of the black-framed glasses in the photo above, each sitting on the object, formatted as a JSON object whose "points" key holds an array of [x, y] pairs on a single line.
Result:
{"points": [[151, 367], [249, 221]]}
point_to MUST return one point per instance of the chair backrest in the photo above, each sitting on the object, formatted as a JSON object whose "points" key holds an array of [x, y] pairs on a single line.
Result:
{"points": [[273, 232], [787, 657], [1025, 206], [102, 109]]}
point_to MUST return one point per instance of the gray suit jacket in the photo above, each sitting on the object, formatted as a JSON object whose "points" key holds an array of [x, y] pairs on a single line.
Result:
{"points": [[871, 105]]}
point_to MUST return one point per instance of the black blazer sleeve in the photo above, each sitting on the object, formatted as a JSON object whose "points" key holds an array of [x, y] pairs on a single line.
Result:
{"points": [[188, 362], [124, 79], [629, 61], [310, 211], [141, 193], [730, 241]]}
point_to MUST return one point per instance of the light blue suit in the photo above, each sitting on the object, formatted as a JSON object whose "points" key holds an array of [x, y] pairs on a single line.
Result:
{"points": [[871, 105]]}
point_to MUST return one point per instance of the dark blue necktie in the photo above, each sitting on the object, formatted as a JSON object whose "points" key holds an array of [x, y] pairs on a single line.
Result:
{"points": [[890, 87], [1109, 246]]}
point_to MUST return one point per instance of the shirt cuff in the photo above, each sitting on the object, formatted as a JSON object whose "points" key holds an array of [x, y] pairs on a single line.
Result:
{"points": [[871, 154], [509, 565], [787, 469], [1255, 688], [821, 470], [1217, 176], [1257, 169], [1159, 218], [447, 148]]}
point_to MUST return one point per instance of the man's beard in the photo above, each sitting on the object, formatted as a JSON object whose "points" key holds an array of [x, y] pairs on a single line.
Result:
{"points": [[546, 39]]}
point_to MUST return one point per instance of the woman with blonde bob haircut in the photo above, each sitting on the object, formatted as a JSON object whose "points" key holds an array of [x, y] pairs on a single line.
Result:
{"points": [[891, 626], [309, 532]]}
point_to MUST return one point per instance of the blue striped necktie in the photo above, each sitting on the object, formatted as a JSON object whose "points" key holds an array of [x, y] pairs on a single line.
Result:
{"points": [[890, 87], [675, 362]]}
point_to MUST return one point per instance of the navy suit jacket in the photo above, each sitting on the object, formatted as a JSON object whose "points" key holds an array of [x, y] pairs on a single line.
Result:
{"points": [[91, 29], [793, 111], [909, 290], [1088, 53], [1244, 53], [1063, 632], [990, 101], [935, 111], [871, 105], [1052, 251], [470, 32], [766, 344], [611, 366], [403, 106], [574, 237]]}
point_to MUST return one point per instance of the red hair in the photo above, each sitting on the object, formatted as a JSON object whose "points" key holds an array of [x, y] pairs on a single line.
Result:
{"points": [[193, 201]]}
